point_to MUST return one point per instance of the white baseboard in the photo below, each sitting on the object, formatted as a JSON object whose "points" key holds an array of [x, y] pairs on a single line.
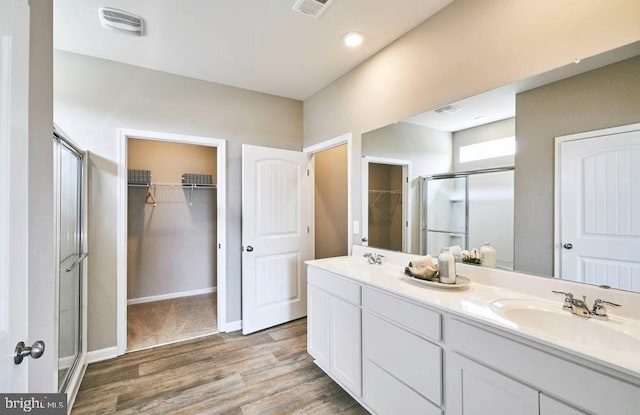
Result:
{"points": [[171, 295], [233, 326], [102, 354]]}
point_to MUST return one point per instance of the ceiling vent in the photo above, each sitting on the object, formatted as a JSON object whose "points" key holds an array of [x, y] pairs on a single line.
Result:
{"points": [[121, 21], [313, 8], [448, 109]]}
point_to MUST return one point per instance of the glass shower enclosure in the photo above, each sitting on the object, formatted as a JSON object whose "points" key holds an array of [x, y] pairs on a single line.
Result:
{"points": [[467, 209], [69, 185]]}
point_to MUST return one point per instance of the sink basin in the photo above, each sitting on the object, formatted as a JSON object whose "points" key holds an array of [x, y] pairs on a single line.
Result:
{"points": [[549, 320], [358, 265]]}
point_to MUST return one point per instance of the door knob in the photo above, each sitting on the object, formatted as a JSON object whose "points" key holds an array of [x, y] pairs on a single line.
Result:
{"points": [[22, 351], [249, 248], [567, 246]]}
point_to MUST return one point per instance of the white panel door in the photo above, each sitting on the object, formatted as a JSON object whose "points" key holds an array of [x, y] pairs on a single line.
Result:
{"points": [[14, 161], [600, 210], [275, 236]]}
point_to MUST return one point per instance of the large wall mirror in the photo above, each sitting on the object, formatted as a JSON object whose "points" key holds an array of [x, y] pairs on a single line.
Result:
{"points": [[520, 167]]}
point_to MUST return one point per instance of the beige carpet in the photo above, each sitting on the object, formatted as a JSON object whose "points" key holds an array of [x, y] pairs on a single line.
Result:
{"points": [[167, 321]]}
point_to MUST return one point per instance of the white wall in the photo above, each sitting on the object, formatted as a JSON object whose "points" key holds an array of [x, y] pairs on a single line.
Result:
{"points": [[467, 48], [428, 150], [95, 97]]}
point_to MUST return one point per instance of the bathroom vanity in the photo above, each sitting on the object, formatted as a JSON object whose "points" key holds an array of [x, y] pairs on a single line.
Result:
{"points": [[502, 345]]}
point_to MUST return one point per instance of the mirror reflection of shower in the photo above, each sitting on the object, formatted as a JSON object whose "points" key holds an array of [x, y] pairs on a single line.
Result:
{"points": [[468, 209]]}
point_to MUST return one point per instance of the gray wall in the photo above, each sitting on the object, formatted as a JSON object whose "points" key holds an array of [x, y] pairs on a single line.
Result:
{"points": [[602, 98], [171, 247], [95, 97], [428, 150], [42, 278], [467, 48]]}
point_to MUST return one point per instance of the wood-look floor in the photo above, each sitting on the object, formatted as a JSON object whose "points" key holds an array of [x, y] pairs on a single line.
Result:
{"points": [[167, 321], [264, 373]]}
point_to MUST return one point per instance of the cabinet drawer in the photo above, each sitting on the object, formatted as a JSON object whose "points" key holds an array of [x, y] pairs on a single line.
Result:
{"points": [[387, 395], [419, 319], [334, 285], [407, 357]]}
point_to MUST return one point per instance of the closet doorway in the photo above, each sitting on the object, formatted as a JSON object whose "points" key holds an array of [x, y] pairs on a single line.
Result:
{"points": [[174, 217], [385, 215], [330, 171]]}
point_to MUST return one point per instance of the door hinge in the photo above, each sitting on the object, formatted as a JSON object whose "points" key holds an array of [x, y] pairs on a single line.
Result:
{"points": [[407, 179], [307, 172], [308, 230], [406, 224]]}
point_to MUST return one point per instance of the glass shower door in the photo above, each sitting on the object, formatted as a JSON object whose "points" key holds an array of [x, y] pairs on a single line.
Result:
{"points": [[69, 176], [445, 214]]}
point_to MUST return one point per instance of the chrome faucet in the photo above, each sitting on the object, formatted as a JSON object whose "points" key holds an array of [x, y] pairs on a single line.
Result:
{"points": [[579, 307], [599, 311], [370, 258], [373, 258]]}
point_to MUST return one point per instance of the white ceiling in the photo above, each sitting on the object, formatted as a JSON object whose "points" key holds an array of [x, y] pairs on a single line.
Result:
{"points": [[260, 45]]}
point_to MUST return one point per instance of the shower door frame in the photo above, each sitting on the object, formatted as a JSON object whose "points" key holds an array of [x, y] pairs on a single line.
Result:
{"points": [[424, 194], [76, 372]]}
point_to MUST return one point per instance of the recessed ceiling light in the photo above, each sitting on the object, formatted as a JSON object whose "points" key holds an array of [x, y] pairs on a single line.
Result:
{"points": [[352, 39], [447, 109]]}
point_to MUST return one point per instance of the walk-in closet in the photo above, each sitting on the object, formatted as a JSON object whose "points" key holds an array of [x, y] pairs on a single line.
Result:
{"points": [[385, 206], [171, 244]]}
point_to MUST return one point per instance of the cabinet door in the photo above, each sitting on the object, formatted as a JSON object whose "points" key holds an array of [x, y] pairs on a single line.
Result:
{"points": [[549, 406], [346, 351], [318, 326], [473, 389]]}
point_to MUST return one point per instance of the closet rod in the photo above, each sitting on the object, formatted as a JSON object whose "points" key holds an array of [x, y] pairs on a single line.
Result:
{"points": [[176, 185], [395, 192]]}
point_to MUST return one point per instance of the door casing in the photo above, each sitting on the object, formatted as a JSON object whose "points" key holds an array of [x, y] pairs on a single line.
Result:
{"points": [[220, 144]]}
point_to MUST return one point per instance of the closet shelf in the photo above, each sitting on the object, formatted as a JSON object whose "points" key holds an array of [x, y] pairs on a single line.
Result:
{"points": [[174, 185]]}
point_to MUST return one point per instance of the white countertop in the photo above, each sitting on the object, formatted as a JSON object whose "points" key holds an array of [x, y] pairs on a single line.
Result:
{"points": [[474, 302]]}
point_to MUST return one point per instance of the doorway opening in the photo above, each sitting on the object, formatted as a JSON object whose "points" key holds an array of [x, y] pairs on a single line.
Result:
{"points": [[385, 218], [331, 201], [330, 216], [171, 247], [171, 234]]}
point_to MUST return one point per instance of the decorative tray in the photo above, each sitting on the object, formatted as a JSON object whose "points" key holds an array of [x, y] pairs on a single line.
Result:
{"points": [[460, 282]]}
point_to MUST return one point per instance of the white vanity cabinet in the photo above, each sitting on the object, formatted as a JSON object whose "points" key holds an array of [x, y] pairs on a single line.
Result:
{"points": [[520, 373], [550, 406], [398, 350], [474, 389], [334, 327], [402, 371]]}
